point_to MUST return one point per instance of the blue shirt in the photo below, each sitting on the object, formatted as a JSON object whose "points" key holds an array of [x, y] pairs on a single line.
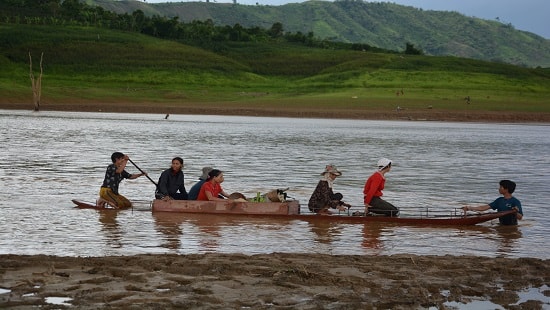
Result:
{"points": [[195, 189], [503, 204]]}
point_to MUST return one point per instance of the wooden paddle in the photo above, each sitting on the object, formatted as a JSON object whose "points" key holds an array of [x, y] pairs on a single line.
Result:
{"points": [[143, 172]]}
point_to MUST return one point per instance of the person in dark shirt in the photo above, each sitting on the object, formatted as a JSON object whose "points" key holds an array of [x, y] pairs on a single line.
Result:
{"points": [[323, 198], [108, 193], [171, 182]]}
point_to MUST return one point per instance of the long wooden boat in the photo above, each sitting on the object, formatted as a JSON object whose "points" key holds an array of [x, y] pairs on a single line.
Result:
{"points": [[291, 210]]}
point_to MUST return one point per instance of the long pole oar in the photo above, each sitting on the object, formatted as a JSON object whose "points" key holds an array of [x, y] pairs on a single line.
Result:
{"points": [[133, 163]]}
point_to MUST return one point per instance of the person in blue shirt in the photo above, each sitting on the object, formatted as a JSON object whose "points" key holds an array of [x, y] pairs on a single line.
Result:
{"points": [[504, 203], [195, 189]]}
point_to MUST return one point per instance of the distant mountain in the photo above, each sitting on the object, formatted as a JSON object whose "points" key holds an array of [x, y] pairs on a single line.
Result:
{"points": [[384, 25]]}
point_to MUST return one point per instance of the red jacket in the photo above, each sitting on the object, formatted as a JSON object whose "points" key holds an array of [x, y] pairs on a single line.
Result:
{"points": [[373, 187]]}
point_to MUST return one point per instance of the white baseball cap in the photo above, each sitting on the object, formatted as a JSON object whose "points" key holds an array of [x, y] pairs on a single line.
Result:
{"points": [[383, 163]]}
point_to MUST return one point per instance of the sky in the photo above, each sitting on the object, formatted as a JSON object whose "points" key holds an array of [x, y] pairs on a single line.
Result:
{"points": [[528, 15]]}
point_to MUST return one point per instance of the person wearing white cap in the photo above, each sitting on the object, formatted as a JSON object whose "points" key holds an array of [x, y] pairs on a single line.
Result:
{"points": [[372, 191], [323, 197]]}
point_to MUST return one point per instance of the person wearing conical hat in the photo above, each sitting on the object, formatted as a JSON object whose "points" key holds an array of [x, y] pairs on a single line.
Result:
{"points": [[372, 192], [323, 197]]}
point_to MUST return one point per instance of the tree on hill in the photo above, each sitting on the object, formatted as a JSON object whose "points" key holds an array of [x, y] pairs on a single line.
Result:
{"points": [[411, 50]]}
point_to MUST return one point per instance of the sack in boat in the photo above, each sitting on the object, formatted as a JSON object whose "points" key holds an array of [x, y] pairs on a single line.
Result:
{"points": [[277, 195], [237, 196]]}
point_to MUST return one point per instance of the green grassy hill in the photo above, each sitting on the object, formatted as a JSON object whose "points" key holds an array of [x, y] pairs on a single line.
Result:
{"points": [[86, 64], [384, 25]]}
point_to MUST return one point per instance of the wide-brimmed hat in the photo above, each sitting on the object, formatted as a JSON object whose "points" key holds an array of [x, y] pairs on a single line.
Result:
{"points": [[205, 171], [331, 169], [383, 163]]}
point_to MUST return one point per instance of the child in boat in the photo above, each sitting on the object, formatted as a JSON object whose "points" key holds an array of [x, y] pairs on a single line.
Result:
{"points": [[372, 191], [323, 197], [113, 176], [504, 203], [171, 182]]}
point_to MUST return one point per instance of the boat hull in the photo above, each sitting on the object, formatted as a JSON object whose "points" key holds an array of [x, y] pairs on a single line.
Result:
{"points": [[430, 221], [291, 210], [227, 207], [89, 205]]}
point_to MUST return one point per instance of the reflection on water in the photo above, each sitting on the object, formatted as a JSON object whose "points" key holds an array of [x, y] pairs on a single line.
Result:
{"points": [[371, 236], [49, 158], [110, 227], [508, 236], [169, 225]]}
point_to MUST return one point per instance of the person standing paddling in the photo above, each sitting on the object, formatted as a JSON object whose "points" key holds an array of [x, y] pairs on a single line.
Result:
{"points": [[372, 192], [108, 193]]}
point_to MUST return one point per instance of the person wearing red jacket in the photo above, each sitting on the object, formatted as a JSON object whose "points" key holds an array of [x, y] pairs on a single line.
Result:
{"points": [[372, 192]]}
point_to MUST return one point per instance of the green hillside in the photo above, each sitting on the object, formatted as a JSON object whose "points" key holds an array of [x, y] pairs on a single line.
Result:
{"points": [[88, 64], [384, 25]]}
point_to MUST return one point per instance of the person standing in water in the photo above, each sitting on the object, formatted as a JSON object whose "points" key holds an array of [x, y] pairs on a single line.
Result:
{"points": [[504, 203]]}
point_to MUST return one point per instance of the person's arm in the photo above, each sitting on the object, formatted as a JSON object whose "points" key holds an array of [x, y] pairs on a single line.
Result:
{"points": [[517, 207], [137, 175], [326, 194], [211, 197], [162, 188], [478, 208], [519, 216], [224, 194], [209, 190]]}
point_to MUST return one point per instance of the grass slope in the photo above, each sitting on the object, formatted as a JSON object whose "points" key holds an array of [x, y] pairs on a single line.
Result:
{"points": [[89, 65]]}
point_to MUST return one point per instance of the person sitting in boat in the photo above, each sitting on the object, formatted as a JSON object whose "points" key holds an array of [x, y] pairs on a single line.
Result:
{"points": [[171, 182], [113, 176], [504, 203], [195, 189], [323, 198], [372, 192], [212, 189]]}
